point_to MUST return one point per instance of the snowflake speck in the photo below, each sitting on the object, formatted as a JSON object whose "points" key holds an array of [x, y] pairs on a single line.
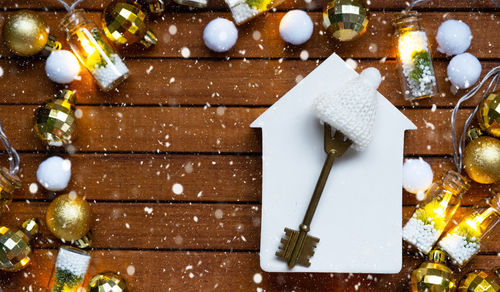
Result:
{"points": [[185, 52], [177, 188]]}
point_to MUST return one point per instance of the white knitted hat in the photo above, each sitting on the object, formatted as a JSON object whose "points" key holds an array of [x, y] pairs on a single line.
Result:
{"points": [[351, 109]]}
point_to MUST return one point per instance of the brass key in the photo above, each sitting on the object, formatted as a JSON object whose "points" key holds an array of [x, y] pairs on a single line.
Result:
{"points": [[298, 247]]}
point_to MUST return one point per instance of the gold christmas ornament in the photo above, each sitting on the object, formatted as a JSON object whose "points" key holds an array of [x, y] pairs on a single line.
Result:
{"points": [[433, 275], [15, 246], [480, 281], [123, 23], [26, 34], [55, 120], [107, 282], [482, 160], [69, 217], [488, 114], [345, 20], [154, 6]]}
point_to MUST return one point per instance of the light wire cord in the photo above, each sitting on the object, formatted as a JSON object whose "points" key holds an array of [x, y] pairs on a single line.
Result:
{"points": [[459, 145], [69, 7], [14, 160]]}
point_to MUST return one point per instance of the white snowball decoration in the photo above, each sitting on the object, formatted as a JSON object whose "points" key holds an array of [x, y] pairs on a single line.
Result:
{"points": [[62, 67], [220, 35], [54, 173], [296, 27], [453, 37], [464, 70], [417, 176]]}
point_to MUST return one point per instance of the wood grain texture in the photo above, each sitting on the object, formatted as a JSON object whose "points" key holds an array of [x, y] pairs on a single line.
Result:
{"points": [[150, 177], [376, 43], [180, 226], [216, 271], [196, 129], [186, 122], [295, 4], [201, 82]]}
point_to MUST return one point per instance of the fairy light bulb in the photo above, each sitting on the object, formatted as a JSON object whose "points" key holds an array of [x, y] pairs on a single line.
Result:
{"points": [[414, 57], [464, 240]]}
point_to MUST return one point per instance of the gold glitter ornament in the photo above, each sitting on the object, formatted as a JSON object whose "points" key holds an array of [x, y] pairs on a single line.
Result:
{"points": [[15, 246], [55, 120], [433, 275], [69, 217], [482, 160], [488, 114], [345, 20], [480, 281], [107, 282], [123, 23], [26, 34]]}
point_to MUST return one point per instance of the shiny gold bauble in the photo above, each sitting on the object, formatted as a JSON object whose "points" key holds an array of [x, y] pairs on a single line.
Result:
{"points": [[482, 160], [15, 246], [479, 281], [55, 120], [69, 217], [123, 23], [107, 282], [25, 33], [345, 19], [433, 275], [488, 114]]}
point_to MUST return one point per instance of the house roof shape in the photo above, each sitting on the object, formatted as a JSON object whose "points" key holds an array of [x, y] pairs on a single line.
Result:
{"points": [[359, 216]]}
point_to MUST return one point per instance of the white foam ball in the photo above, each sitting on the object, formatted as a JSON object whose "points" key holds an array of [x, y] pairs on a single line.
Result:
{"points": [[220, 35], [371, 77], [417, 176], [453, 37], [62, 67], [54, 173], [464, 70], [296, 27]]}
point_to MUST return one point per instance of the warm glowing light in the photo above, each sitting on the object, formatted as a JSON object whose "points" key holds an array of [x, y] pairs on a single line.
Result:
{"points": [[440, 211], [409, 43], [3, 230], [475, 223], [24, 262], [86, 44]]}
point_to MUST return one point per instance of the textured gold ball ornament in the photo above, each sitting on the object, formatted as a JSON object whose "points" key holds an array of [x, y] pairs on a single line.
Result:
{"points": [[488, 114], [26, 34], [480, 281], [107, 282], [69, 217], [482, 160], [55, 120], [15, 246], [345, 19], [123, 23], [433, 275]]}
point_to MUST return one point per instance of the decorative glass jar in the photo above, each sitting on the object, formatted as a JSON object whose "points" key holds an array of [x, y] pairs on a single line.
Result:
{"points": [[464, 240], [70, 269], [245, 10], [93, 51], [432, 215], [414, 57]]}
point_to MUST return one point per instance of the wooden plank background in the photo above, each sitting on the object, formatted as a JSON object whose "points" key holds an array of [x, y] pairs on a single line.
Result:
{"points": [[185, 120]]}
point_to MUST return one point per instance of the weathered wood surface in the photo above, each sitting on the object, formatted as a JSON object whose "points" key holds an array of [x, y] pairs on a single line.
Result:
{"points": [[186, 122]]}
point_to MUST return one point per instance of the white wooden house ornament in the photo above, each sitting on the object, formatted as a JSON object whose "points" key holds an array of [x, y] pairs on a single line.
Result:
{"points": [[359, 217]]}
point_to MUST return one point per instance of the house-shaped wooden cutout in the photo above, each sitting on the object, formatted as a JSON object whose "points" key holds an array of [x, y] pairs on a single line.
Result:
{"points": [[359, 217]]}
